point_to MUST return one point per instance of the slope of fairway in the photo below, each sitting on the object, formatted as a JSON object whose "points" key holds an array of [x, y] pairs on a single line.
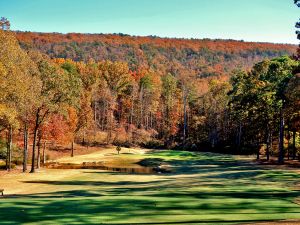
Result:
{"points": [[203, 188]]}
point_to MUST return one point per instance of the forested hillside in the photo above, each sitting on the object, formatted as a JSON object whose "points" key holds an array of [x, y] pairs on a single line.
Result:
{"points": [[203, 58], [219, 95], [122, 129]]}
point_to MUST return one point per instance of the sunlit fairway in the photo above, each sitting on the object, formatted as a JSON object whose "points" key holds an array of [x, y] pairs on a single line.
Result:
{"points": [[203, 188]]}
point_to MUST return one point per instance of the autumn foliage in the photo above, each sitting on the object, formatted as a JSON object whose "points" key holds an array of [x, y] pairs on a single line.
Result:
{"points": [[95, 89]]}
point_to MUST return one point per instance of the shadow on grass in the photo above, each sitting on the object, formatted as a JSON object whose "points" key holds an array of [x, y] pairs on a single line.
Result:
{"points": [[163, 188], [203, 185], [58, 194], [89, 183], [87, 207], [90, 210]]}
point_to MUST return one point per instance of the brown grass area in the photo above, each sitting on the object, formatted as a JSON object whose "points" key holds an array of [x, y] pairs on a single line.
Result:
{"points": [[107, 156], [14, 182], [55, 154], [65, 151], [272, 163]]}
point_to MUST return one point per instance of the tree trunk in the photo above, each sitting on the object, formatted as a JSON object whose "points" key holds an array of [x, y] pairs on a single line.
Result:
{"points": [[294, 144], [131, 113], [38, 163], [257, 145], [44, 154], [83, 139], [25, 153], [288, 137], [36, 127], [111, 121], [281, 138], [268, 144], [141, 125], [239, 137], [104, 117], [72, 148], [95, 120], [147, 121], [271, 143], [184, 114], [150, 120], [9, 149]]}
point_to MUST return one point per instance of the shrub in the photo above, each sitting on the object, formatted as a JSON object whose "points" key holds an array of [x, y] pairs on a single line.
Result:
{"points": [[17, 162], [47, 157], [154, 144], [2, 149], [3, 165]]}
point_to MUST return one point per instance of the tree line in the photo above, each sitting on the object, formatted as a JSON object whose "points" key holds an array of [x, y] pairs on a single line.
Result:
{"points": [[207, 58], [93, 102]]}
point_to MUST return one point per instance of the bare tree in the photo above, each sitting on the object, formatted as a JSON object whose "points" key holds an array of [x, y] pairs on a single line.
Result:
{"points": [[4, 23]]}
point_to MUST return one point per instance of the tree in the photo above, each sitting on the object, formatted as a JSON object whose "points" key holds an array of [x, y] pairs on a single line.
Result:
{"points": [[260, 97], [266, 105], [240, 98], [61, 87], [115, 78], [17, 89], [4, 24], [215, 107], [72, 121], [82, 114], [148, 96], [292, 94], [170, 108], [280, 71], [297, 2], [187, 85]]}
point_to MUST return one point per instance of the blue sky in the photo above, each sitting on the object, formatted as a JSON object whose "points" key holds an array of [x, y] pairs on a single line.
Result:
{"points": [[250, 20]]}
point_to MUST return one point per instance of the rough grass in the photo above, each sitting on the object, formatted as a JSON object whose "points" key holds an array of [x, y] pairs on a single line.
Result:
{"points": [[203, 189]]}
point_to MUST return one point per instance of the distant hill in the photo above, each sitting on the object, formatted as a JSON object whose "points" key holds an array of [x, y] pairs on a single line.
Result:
{"points": [[203, 57]]}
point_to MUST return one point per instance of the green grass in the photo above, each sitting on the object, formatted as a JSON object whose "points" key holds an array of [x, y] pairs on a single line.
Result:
{"points": [[204, 188]]}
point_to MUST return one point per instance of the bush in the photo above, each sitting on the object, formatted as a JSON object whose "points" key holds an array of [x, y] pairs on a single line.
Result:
{"points": [[3, 166], [2, 153], [125, 144], [47, 157], [154, 144], [17, 162], [2, 149], [17, 154], [142, 136]]}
